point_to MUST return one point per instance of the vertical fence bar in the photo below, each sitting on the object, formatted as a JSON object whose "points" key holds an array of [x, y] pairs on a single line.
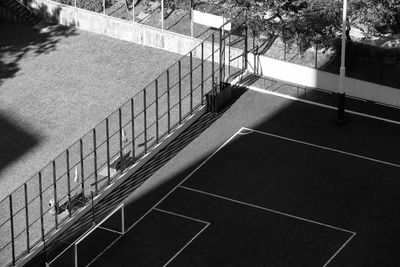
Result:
{"points": [[229, 56], [316, 56], [246, 49], [96, 189], [202, 73], [82, 170], [26, 218], [108, 151], [221, 67], [55, 194], [156, 88], [41, 206], [93, 217], [168, 104], [180, 90], [191, 82], [212, 65], [255, 60], [145, 120], [12, 230], [68, 182], [120, 140], [133, 128]]}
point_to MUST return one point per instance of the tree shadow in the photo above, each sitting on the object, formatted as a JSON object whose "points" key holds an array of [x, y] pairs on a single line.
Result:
{"points": [[366, 62], [17, 40]]}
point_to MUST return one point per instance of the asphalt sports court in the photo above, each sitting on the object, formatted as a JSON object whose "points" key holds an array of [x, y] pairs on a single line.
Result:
{"points": [[260, 199]]}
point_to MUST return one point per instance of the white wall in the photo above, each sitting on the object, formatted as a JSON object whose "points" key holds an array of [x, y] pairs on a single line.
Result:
{"points": [[310, 77]]}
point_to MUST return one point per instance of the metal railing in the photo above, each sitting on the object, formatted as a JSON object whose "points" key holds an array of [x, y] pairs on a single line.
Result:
{"points": [[35, 210]]}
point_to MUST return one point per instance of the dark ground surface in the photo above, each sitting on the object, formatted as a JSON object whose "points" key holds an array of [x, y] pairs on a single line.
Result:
{"points": [[318, 184]]}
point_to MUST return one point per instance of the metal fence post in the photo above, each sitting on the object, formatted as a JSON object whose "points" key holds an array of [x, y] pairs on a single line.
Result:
{"points": [[41, 207], [12, 229], [108, 151], [191, 82], [168, 104], [133, 128], [246, 37], [55, 194], [82, 170], [95, 161], [180, 90], [212, 64], [120, 139], [202, 73], [68, 181], [26, 218], [156, 89], [145, 120], [221, 67]]}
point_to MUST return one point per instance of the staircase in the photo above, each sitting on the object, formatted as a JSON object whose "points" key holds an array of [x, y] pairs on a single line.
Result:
{"points": [[16, 11]]}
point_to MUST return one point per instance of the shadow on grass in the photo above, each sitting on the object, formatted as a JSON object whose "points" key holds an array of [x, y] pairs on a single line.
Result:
{"points": [[16, 41], [14, 142]]}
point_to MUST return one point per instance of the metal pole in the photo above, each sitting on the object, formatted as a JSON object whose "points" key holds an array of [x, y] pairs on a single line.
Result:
{"points": [[191, 82], [104, 7], [95, 161], [180, 90], [82, 170], [12, 230], [246, 49], [26, 218], [162, 14], [202, 73], [133, 128], [341, 102], [212, 65], [133, 10], [221, 33], [41, 207], [120, 140], [145, 120], [156, 88], [191, 18], [108, 151], [68, 182], [55, 194], [168, 104]]}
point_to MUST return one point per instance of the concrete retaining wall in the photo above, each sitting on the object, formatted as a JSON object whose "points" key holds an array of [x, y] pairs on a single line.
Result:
{"points": [[128, 31]]}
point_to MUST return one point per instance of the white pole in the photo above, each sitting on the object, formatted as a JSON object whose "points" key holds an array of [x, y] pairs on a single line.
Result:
{"points": [[104, 7], [191, 18], [341, 103], [343, 55], [162, 14], [133, 10]]}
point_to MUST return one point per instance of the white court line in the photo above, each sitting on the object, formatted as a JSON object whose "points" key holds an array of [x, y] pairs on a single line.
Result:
{"points": [[264, 91], [340, 249], [266, 209], [191, 240], [325, 148], [281, 213], [170, 192], [111, 230], [180, 215]]}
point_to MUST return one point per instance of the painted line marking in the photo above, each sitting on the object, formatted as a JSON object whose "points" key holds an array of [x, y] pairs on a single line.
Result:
{"points": [[340, 249], [192, 239], [264, 91], [169, 193], [266, 209], [325, 148]]}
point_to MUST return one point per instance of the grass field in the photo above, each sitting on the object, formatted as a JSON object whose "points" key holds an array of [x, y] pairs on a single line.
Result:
{"points": [[64, 83]]}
